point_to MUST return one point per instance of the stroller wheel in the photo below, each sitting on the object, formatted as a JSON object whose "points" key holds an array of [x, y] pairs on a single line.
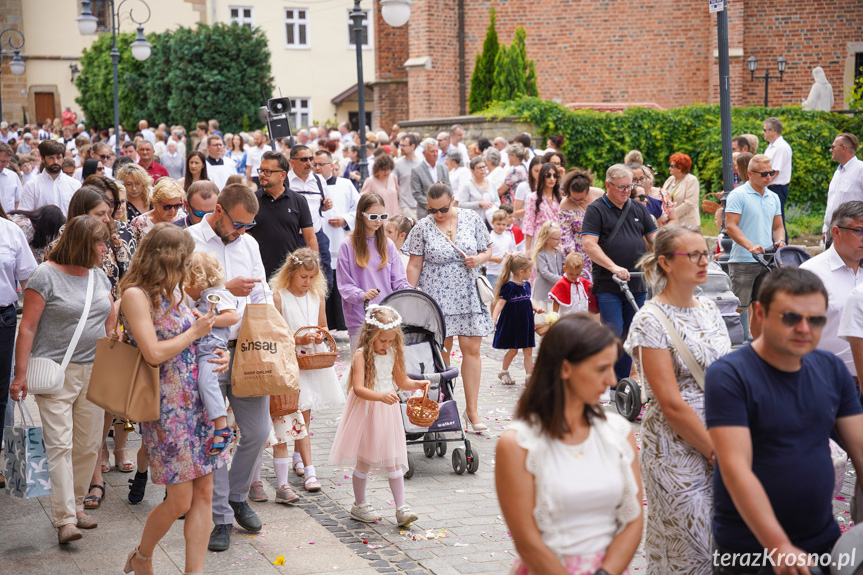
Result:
{"points": [[472, 461], [440, 447], [428, 444], [627, 398], [411, 467], [459, 461]]}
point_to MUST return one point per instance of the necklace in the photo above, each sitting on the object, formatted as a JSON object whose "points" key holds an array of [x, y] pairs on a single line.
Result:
{"points": [[574, 454], [448, 229]]}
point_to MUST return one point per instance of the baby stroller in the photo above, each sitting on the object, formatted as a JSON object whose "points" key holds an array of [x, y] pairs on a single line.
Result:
{"points": [[424, 333], [773, 258]]}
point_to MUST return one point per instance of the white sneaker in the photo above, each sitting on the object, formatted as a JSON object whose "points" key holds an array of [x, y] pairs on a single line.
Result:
{"points": [[365, 512], [404, 515], [505, 378]]}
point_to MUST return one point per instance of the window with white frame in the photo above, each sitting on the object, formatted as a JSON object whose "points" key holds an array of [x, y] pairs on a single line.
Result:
{"points": [[296, 27], [243, 16], [365, 32], [301, 113]]}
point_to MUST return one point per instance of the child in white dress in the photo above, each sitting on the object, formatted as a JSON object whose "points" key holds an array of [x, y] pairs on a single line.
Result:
{"points": [[299, 292], [371, 432]]}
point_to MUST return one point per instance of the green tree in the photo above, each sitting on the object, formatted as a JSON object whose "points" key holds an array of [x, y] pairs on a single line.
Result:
{"points": [[96, 81], [514, 74], [482, 79], [855, 94]]}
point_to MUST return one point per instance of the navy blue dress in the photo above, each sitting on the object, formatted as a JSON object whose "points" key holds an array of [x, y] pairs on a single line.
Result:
{"points": [[515, 324]]}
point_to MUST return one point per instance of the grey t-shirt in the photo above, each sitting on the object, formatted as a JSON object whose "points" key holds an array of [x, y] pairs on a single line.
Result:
{"points": [[64, 303], [403, 170]]}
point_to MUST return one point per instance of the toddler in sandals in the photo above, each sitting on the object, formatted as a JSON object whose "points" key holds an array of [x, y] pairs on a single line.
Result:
{"points": [[371, 433], [206, 290]]}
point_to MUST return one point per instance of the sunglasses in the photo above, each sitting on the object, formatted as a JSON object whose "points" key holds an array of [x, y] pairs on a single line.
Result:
{"points": [[695, 257], [791, 319], [105, 156], [100, 169], [171, 206], [552, 175], [441, 210], [769, 174], [198, 213], [308, 159], [641, 198], [375, 217], [240, 226]]}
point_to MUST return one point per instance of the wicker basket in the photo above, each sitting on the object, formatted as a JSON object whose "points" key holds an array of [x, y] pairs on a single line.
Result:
{"points": [[318, 360], [542, 328], [423, 411], [284, 404], [710, 205]]}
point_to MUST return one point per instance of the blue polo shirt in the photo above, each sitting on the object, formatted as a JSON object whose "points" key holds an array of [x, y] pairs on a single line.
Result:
{"points": [[756, 219]]}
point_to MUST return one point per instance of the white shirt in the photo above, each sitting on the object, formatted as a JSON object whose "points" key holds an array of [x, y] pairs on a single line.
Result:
{"points": [[45, 191], [16, 261], [219, 174], [458, 178], [149, 135], [34, 173], [240, 258], [310, 190], [840, 281], [113, 139], [501, 244], [522, 191], [10, 189], [851, 322], [254, 154], [780, 153], [495, 178], [432, 170], [846, 185], [345, 197]]}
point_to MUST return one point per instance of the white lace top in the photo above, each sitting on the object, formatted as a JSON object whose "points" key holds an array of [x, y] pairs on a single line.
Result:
{"points": [[586, 493], [384, 365]]}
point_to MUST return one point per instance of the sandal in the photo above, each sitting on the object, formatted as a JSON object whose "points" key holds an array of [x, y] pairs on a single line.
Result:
{"points": [[94, 501], [299, 468], [123, 465], [312, 484], [106, 461], [220, 440]]}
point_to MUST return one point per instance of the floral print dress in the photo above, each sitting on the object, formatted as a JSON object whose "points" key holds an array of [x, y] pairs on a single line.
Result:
{"points": [[570, 238], [535, 218], [175, 443], [445, 276]]}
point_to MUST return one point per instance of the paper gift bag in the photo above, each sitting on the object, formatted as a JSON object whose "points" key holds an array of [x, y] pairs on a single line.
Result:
{"points": [[265, 360], [26, 461]]}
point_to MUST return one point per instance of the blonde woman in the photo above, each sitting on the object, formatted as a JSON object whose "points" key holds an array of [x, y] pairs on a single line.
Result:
{"points": [[139, 186], [168, 197], [677, 456]]}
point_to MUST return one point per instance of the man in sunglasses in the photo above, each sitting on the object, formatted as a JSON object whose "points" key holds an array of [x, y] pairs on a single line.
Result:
{"points": [[201, 198], [770, 408], [753, 219], [313, 187]]}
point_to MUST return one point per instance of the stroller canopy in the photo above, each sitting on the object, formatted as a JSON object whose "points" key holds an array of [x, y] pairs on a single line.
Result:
{"points": [[418, 309]]}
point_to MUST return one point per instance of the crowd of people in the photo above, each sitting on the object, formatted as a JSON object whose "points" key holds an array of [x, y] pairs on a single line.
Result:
{"points": [[149, 234]]}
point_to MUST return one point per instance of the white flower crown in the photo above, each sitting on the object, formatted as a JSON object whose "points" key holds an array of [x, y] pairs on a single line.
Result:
{"points": [[375, 322]]}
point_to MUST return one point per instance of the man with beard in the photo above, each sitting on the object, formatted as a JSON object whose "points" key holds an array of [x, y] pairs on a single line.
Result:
{"points": [[223, 234], [284, 220], [52, 186]]}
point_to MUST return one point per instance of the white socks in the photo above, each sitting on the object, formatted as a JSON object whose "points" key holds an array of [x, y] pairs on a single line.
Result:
{"points": [[309, 471], [360, 486], [256, 478], [397, 486], [296, 457], [282, 466]]}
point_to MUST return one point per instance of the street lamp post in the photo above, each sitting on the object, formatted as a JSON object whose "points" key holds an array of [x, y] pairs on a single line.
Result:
{"points": [[395, 13], [14, 39], [87, 24], [752, 63]]}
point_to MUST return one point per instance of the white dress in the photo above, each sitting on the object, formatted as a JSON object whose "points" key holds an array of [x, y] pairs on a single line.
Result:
{"points": [[319, 388]]}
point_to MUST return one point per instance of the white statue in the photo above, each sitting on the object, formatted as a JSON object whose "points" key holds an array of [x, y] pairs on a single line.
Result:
{"points": [[821, 95]]}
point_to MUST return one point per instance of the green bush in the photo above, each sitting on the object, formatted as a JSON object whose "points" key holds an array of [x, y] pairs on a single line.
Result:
{"points": [[596, 140], [214, 71]]}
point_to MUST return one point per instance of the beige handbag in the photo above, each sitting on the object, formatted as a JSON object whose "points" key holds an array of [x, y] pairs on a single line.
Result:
{"points": [[123, 383]]}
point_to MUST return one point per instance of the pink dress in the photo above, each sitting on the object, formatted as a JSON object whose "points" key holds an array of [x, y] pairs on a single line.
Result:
{"points": [[533, 218], [570, 238], [372, 432], [389, 192]]}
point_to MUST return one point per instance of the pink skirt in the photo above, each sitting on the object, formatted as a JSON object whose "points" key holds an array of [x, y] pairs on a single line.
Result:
{"points": [[574, 564], [370, 433]]}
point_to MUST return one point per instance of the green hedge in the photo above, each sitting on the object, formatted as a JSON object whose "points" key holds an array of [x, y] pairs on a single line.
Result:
{"points": [[596, 140]]}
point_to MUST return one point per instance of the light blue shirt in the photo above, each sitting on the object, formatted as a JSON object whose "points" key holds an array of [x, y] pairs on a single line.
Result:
{"points": [[756, 219]]}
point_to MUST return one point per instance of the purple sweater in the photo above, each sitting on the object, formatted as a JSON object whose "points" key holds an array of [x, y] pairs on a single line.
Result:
{"points": [[354, 281]]}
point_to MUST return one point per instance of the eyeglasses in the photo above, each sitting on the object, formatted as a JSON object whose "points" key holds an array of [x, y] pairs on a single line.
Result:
{"points": [[769, 174], [171, 206], [553, 175], [268, 173], [306, 159], [834, 146], [376, 217], [856, 231], [672, 167], [240, 226], [321, 164], [621, 188], [441, 210], [695, 257], [792, 319], [641, 198], [199, 213], [641, 179]]}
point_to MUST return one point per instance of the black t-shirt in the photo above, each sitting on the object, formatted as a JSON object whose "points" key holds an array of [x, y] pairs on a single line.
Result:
{"points": [[626, 247], [790, 417], [279, 229]]}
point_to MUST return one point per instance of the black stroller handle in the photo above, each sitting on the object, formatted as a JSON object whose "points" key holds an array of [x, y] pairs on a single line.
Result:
{"points": [[450, 373], [624, 287]]}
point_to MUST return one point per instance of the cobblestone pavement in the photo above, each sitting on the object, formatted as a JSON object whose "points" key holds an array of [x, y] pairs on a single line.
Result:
{"points": [[460, 527]]}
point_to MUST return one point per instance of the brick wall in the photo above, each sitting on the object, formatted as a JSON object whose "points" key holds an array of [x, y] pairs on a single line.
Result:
{"points": [[11, 85], [391, 88], [659, 51]]}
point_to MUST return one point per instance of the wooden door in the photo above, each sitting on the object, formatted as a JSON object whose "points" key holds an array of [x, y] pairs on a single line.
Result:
{"points": [[44, 106]]}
